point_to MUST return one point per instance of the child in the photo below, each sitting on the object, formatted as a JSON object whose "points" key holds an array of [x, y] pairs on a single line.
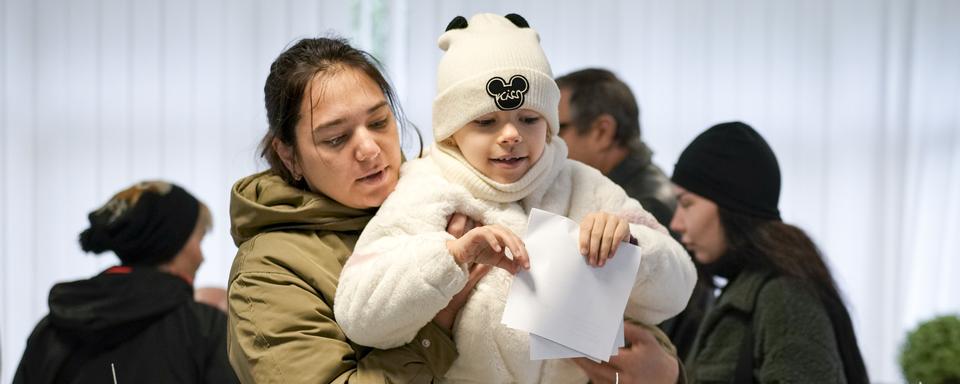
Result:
{"points": [[497, 155]]}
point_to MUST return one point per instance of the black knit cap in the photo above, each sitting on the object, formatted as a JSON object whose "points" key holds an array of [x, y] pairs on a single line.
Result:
{"points": [[732, 165], [146, 224]]}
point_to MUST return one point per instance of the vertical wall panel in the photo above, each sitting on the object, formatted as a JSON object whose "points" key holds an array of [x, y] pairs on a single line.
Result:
{"points": [[114, 110], [243, 89], [722, 58], [784, 105], [813, 78], [898, 19], [659, 85], [177, 91], [18, 293], [146, 93], [951, 109], [421, 61], [303, 19], [211, 182], [80, 137], [335, 16], [51, 135], [855, 72], [750, 56]]}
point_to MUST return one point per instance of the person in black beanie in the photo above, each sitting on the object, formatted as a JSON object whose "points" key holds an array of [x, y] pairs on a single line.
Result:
{"points": [[136, 322], [780, 317]]}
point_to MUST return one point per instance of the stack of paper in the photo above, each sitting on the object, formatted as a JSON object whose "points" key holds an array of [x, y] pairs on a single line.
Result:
{"points": [[570, 308]]}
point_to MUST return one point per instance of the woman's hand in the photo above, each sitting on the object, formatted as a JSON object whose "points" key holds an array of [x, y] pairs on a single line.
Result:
{"points": [[644, 360], [600, 235], [448, 314], [459, 224], [488, 245]]}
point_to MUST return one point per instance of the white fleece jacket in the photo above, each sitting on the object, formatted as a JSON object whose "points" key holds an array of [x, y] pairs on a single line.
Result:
{"points": [[401, 273]]}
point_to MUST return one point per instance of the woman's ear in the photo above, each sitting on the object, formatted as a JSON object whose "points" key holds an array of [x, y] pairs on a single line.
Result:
{"points": [[288, 157]]}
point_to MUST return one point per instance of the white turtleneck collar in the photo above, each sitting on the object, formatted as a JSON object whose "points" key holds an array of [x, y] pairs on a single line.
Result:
{"points": [[456, 169]]}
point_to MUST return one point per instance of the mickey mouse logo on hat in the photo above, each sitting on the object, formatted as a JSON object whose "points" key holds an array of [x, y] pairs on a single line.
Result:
{"points": [[508, 96]]}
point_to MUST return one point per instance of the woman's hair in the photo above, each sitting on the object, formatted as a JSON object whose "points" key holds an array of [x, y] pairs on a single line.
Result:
{"points": [[775, 244], [788, 251], [289, 76]]}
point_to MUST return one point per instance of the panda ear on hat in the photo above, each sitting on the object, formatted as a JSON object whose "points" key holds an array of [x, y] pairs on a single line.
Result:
{"points": [[517, 20], [458, 22]]}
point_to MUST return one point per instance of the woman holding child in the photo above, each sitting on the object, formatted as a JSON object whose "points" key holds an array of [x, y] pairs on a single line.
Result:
{"points": [[333, 147]]}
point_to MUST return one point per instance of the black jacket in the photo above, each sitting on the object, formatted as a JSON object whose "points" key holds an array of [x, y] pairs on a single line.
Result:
{"points": [[127, 325], [644, 181]]}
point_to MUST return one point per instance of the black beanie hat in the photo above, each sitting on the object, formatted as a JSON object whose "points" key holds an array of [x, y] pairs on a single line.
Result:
{"points": [[146, 224], [732, 165]]}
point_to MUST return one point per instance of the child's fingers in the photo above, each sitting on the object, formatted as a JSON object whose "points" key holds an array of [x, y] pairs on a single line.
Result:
{"points": [[522, 257], [585, 227], [621, 234], [623, 231], [609, 242], [491, 238], [514, 243], [596, 237], [498, 241]]}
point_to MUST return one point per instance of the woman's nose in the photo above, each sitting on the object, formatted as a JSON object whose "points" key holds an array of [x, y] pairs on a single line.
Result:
{"points": [[676, 223], [368, 149]]}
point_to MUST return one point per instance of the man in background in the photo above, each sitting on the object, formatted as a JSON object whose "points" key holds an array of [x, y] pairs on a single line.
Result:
{"points": [[600, 122]]}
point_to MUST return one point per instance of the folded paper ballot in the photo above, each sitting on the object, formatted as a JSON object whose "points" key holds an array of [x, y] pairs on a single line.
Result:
{"points": [[570, 308]]}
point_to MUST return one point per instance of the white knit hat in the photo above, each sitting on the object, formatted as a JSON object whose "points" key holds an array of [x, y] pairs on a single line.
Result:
{"points": [[491, 63]]}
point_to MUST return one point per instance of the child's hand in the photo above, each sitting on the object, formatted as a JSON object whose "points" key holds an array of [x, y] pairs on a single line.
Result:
{"points": [[600, 235], [488, 245]]}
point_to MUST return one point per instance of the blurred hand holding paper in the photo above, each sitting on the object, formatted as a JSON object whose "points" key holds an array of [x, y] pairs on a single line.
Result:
{"points": [[563, 299]]}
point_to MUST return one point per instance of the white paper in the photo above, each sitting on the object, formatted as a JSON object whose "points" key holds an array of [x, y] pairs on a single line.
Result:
{"points": [[565, 300], [543, 349]]}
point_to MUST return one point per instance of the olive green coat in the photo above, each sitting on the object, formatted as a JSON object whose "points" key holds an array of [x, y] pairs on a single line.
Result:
{"points": [[281, 329]]}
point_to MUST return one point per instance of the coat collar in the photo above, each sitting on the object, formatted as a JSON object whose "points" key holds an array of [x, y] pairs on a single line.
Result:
{"points": [[741, 293], [739, 296], [637, 159]]}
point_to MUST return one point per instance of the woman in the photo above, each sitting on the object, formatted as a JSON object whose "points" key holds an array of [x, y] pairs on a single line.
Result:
{"points": [[137, 322], [780, 317], [334, 154]]}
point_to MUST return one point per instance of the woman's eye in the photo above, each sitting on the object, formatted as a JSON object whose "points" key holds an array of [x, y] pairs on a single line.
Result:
{"points": [[335, 141], [379, 124]]}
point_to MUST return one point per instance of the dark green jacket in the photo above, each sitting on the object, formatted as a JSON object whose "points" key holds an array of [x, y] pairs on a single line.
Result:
{"points": [[793, 338]]}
